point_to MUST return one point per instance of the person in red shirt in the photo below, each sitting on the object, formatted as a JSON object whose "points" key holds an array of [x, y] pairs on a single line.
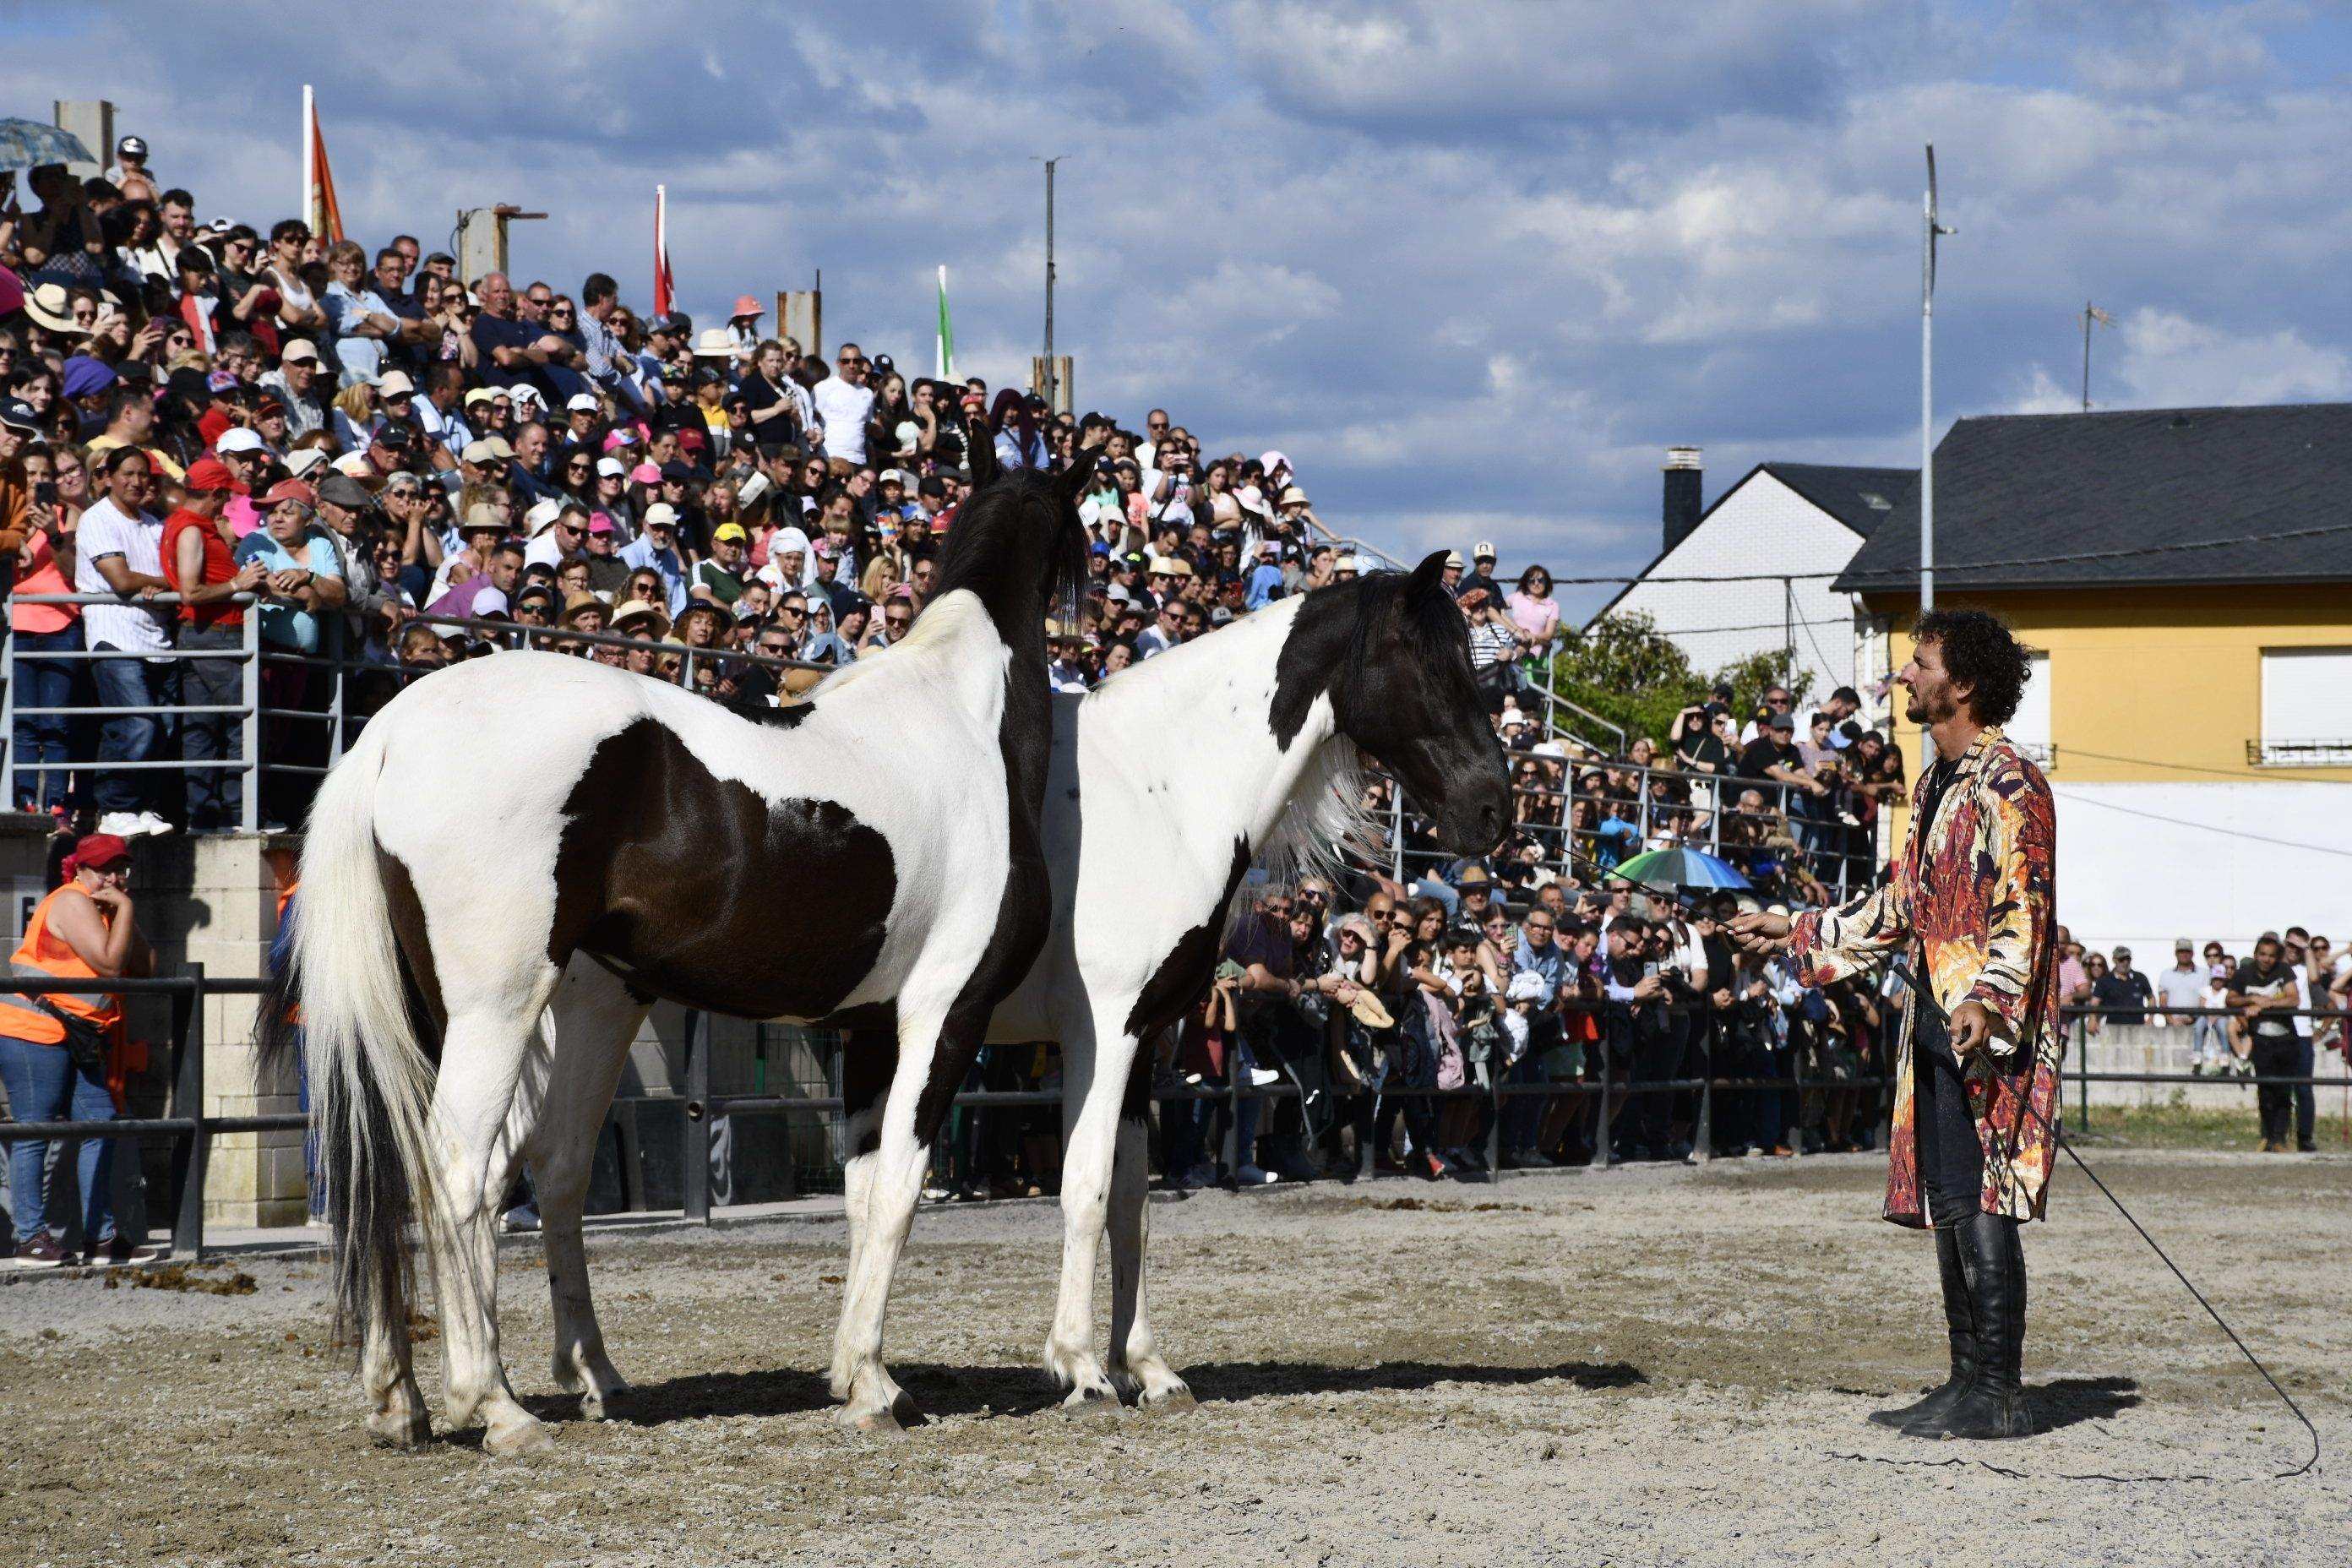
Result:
{"points": [[198, 565]]}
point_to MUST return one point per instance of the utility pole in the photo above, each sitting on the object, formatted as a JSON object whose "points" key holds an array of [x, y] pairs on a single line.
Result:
{"points": [[2092, 316], [1053, 388], [1931, 228]]}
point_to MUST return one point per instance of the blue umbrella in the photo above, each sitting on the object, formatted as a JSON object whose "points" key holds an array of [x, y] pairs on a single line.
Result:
{"points": [[28, 145], [1681, 868]]}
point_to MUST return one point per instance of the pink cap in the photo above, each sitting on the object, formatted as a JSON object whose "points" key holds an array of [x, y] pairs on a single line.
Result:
{"points": [[598, 523], [746, 306], [646, 474]]}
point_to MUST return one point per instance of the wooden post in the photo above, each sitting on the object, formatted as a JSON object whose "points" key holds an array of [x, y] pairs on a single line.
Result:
{"points": [[799, 316]]}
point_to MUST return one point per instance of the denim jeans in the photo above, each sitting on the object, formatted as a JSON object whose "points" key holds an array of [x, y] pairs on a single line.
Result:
{"points": [[216, 796], [132, 737], [42, 741], [43, 1082]]}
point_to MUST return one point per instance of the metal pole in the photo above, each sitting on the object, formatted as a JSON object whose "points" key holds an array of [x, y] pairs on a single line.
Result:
{"points": [[1930, 229], [335, 702], [1053, 398], [8, 741], [250, 726], [696, 1141], [190, 1160], [2086, 356]]}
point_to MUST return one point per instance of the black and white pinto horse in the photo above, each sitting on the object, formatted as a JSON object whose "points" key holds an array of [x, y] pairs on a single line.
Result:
{"points": [[1242, 748], [524, 853]]}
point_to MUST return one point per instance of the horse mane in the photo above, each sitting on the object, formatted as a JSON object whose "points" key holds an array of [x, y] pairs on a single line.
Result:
{"points": [[1325, 817], [998, 539]]}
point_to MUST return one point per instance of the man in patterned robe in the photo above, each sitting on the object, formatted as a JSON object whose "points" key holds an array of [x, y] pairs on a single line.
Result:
{"points": [[1977, 1078]]}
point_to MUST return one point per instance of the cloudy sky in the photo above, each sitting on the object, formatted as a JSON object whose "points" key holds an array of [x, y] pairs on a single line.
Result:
{"points": [[1472, 264]]}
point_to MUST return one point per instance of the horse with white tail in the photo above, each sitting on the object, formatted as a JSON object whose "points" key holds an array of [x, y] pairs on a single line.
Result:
{"points": [[521, 854], [1243, 748]]}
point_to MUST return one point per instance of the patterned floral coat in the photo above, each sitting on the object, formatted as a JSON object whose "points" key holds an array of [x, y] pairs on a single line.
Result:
{"points": [[1973, 905]]}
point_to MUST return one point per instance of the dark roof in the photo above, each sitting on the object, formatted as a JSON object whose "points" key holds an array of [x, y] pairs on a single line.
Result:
{"points": [[1842, 492], [2143, 498], [1859, 498]]}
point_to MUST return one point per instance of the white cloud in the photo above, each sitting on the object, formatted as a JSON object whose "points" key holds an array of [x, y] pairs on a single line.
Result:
{"points": [[1472, 264]]}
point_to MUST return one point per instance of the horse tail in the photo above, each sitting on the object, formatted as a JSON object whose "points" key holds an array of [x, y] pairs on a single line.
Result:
{"points": [[364, 1044]]}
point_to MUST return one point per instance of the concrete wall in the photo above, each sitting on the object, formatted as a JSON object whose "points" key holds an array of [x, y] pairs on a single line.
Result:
{"points": [[2146, 1048]]}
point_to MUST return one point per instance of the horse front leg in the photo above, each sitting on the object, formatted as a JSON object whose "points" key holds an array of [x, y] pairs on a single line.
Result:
{"points": [[1094, 1067], [890, 1183], [1136, 1363]]}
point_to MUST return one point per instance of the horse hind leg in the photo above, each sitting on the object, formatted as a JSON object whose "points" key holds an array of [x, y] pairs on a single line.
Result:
{"points": [[482, 1059], [1136, 1363], [585, 1035]]}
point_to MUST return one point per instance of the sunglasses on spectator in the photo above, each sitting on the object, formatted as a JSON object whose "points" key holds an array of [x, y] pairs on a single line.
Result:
{"points": [[894, 620]]}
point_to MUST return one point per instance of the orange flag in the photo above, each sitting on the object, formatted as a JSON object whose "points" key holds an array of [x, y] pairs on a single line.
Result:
{"points": [[319, 210]]}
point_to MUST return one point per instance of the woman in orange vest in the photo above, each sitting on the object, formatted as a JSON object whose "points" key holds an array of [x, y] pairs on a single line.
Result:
{"points": [[53, 1047]]}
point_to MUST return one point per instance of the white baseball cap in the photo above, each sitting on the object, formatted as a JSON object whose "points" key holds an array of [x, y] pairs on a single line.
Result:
{"points": [[238, 439], [394, 383], [584, 403], [1482, 550], [611, 468], [661, 514], [299, 348]]}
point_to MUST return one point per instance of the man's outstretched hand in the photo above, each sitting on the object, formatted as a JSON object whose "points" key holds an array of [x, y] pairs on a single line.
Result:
{"points": [[1761, 932]]}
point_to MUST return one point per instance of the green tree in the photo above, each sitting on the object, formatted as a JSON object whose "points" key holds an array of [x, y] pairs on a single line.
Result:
{"points": [[1624, 669]]}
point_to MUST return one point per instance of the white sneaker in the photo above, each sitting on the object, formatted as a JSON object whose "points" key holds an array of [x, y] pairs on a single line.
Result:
{"points": [[121, 824], [153, 825]]}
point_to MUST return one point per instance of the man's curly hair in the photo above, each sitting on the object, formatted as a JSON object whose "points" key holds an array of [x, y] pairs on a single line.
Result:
{"points": [[1979, 652]]}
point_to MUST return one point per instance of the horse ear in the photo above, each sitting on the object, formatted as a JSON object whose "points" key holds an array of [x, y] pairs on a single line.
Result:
{"points": [[1427, 578], [980, 451], [1073, 481]]}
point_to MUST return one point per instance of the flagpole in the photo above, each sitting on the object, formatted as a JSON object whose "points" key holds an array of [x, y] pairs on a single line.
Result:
{"points": [[309, 172], [939, 331]]}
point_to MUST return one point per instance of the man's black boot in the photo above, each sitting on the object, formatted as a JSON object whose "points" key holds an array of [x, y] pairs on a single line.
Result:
{"points": [[1995, 1406], [1959, 1320]]}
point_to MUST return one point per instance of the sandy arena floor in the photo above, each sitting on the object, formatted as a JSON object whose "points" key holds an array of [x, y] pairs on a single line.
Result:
{"points": [[1647, 1366]]}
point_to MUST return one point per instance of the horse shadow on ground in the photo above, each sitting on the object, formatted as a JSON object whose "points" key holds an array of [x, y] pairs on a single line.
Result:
{"points": [[1023, 1390]]}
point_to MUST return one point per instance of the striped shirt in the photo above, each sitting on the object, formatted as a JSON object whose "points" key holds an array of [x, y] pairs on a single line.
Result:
{"points": [[1491, 643]]}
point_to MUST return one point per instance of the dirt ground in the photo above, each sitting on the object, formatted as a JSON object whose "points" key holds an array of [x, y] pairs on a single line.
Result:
{"points": [[1642, 1367]]}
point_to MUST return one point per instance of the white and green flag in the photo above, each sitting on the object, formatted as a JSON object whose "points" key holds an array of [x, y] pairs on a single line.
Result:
{"points": [[944, 362]]}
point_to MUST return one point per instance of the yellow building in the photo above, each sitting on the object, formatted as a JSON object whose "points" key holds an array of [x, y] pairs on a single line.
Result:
{"points": [[2184, 578]]}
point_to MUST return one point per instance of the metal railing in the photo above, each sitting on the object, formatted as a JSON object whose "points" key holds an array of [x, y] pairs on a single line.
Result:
{"points": [[263, 729], [192, 1131]]}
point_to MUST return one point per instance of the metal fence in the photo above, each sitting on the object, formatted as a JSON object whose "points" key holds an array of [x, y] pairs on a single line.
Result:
{"points": [[192, 1131], [341, 691]]}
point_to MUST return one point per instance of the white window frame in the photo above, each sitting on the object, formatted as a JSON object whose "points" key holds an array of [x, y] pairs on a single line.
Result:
{"points": [[2287, 739]]}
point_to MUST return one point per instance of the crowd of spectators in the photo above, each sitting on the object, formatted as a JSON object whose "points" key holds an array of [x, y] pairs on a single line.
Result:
{"points": [[390, 467]]}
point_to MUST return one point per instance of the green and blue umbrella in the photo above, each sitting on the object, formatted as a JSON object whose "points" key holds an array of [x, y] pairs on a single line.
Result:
{"points": [[1680, 868]]}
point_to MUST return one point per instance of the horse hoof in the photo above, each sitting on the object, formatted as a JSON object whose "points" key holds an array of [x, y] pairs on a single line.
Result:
{"points": [[1091, 1400], [594, 1407], [391, 1431], [872, 1423], [525, 1436], [1170, 1401]]}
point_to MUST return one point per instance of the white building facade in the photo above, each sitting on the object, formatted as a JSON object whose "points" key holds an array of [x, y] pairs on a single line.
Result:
{"points": [[1769, 548]]}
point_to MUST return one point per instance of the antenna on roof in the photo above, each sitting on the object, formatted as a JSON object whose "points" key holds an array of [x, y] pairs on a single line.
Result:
{"points": [[2092, 315]]}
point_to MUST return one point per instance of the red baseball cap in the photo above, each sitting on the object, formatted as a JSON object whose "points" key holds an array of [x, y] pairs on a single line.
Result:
{"points": [[209, 473], [290, 490], [94, 851]]}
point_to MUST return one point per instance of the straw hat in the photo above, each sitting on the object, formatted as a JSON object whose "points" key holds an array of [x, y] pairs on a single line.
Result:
{"points": [[580, 602], [642, 616]]}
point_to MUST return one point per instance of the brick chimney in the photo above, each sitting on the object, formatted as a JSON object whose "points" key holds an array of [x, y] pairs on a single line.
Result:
{"points": [[1682, 476]]}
